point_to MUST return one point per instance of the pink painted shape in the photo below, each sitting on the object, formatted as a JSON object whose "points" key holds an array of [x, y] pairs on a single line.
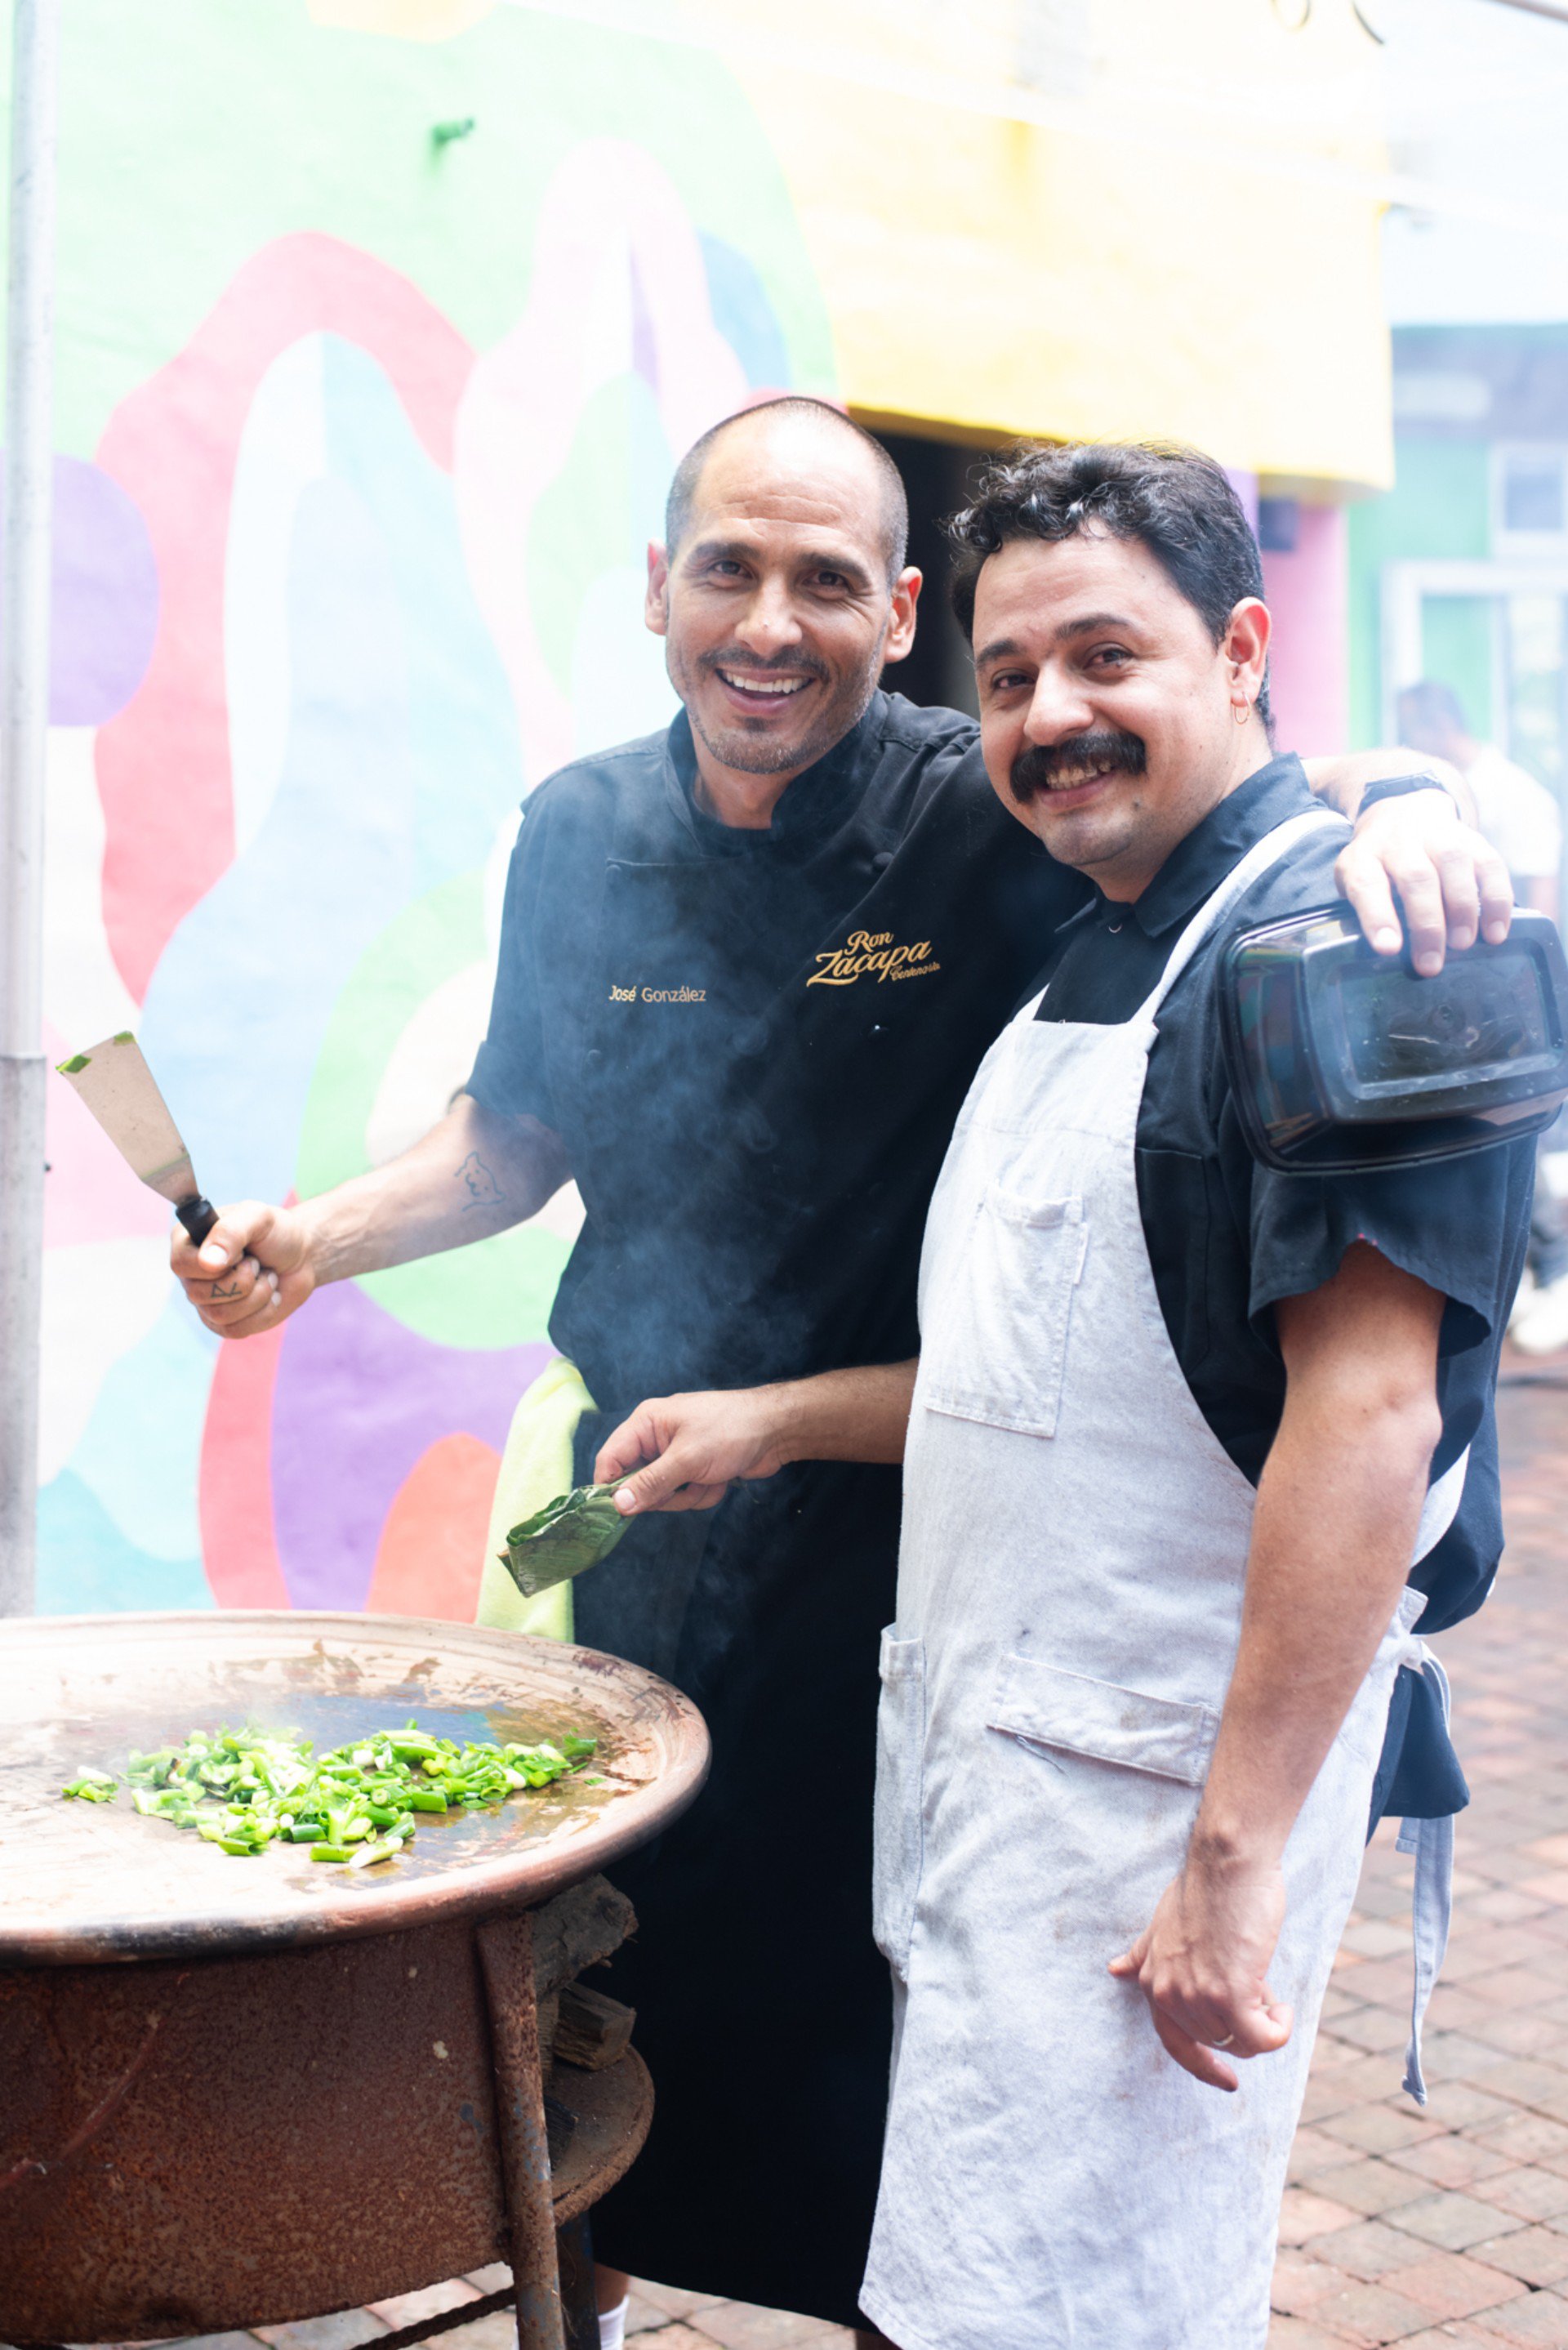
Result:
{"points": [[90, 1193], [239, 1548], [430, 1560], [1245, 485], [1308, 593], [163, 763]]}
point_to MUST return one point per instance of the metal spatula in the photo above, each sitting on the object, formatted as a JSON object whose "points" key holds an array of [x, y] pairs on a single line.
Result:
{"points": [[119, 1089]]}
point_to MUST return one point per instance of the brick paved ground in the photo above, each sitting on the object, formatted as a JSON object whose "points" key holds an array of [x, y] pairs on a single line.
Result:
{"points": [[1448, 2230], [1441, 2230]]}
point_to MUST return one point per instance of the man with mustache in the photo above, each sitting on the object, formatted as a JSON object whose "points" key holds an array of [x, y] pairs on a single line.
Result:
{"points": [[747, 969], [1187, 1457]]}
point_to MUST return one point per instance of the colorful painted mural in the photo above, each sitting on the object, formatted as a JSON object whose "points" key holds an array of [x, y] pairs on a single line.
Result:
{"points": [[363, 433]]}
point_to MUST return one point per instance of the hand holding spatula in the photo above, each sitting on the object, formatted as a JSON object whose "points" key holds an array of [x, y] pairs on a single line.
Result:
{"points": [[119, 1089]]}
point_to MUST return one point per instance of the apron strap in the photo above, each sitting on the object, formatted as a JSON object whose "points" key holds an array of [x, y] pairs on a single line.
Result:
{"points": [[1431, 1901], [1431, 1841], [1263, 854]]}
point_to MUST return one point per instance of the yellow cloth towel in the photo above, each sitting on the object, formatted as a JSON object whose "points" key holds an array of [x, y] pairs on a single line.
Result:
{"points": [[536, 1466]]}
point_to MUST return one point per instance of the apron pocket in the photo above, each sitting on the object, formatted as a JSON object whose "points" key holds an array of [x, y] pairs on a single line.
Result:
{"points": [[1040, 1705], [900, 1743], [999, 1347]]}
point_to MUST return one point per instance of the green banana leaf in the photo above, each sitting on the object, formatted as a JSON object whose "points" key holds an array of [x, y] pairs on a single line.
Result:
{"points": [[572, 1531]]}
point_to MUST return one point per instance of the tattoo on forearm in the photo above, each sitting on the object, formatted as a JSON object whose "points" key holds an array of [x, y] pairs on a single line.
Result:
{"points": [[484, 1191]]}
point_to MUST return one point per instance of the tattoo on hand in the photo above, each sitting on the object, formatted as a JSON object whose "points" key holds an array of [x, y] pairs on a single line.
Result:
{"points": [[230, 1289], [484, 1191]]}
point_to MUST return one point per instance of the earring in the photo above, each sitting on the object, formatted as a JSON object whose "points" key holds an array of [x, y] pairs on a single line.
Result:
{"points": [[1240, 711]]}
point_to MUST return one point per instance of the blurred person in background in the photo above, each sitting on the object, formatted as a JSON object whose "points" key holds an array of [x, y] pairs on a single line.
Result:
{"points": [[1517, 814], [1520, 818]]}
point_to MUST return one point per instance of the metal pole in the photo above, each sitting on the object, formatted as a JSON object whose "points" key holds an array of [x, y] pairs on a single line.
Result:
{"points": [[24, 720], [506, 1962]]}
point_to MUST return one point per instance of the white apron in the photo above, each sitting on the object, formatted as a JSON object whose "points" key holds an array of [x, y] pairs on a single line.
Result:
{"points": [[1070, 1588]]}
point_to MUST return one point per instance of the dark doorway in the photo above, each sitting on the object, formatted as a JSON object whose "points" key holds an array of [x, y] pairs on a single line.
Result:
{"points": [[937, 476]]}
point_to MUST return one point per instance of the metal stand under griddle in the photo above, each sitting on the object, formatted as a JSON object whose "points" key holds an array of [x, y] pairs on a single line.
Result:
{"points": [[386, 2130], [330, 2094]]}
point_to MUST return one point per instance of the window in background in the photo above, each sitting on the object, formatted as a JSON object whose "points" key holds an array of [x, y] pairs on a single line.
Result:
{"points": [[1530, 499]]}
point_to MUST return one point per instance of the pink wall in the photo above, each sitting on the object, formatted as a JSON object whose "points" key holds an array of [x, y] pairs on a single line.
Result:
{"points": [[1308, 596]]}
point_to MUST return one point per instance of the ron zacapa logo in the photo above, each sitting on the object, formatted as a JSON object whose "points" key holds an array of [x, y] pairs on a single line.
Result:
{"points": [[873, 954]]}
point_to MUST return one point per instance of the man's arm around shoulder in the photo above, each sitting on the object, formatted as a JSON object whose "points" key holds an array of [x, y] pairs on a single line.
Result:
{"points": [[1338, 1505]]}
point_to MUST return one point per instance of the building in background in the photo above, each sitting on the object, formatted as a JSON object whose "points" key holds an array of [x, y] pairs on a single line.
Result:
{"points": [[381, 325], [1460, 572]]}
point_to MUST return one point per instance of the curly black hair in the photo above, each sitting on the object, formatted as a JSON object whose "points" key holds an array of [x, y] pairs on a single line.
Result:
{"points": [[1176, 502]]}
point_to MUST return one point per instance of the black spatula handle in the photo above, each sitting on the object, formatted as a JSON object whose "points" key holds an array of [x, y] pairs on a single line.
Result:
{"points": [[197, 1216]]}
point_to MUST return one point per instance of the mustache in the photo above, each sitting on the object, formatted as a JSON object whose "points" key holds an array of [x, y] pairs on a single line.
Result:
{"points": [[795, 664], [1036, 769]]}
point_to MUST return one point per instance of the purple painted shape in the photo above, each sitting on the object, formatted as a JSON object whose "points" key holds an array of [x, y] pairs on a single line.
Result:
{"points": [[103, 603], [644, 346], [359, 1400]]}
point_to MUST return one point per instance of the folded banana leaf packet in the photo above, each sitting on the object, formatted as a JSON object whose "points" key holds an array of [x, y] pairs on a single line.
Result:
{"points": [[572, 1531]]}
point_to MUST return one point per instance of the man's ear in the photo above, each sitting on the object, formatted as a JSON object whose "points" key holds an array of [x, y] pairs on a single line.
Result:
{"points": [[1246, 647], [905, 594], [656, 602]]}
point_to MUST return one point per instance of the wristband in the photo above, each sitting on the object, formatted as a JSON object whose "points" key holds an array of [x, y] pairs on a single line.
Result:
{"points": [[1394, 787]]}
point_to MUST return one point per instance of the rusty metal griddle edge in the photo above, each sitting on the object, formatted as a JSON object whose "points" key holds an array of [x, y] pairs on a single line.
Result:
{"points": [[659, 1728]]}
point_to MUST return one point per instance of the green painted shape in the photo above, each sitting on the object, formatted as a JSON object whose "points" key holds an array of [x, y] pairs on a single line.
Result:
{"points": [[77, 1061], [252, 122], [499, 1291], [1457, 649], [1439, 507]]}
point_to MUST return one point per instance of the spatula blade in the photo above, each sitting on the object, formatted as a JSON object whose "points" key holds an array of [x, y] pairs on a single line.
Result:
{"points": [[115, 1082]]}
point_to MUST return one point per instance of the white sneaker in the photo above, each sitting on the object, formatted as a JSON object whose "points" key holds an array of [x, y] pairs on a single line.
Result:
{"points": [[1543, 1327]]}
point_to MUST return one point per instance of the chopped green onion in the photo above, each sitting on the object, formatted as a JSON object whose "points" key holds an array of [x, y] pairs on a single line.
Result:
{"points": [[243, 1790], [93, 1787]]}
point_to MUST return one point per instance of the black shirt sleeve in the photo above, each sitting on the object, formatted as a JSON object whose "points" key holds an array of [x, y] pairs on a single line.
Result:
{"points": [[1448, 1223], [510, 1075]]}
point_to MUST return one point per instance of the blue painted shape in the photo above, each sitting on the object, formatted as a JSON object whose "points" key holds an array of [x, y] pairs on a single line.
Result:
{"points": [[87, 1567], [745, 316], [140, 1452]]}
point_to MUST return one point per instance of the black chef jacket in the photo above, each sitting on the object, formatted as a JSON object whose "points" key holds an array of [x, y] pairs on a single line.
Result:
{"points": [[1228, 1238], [753, 1046]]}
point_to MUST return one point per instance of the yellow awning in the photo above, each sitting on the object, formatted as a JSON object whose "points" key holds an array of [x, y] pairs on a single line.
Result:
{"points": [[1101, 217]]}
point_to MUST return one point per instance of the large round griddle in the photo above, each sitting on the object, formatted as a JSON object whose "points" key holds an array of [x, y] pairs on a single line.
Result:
{"points": [[88, 1882]]}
